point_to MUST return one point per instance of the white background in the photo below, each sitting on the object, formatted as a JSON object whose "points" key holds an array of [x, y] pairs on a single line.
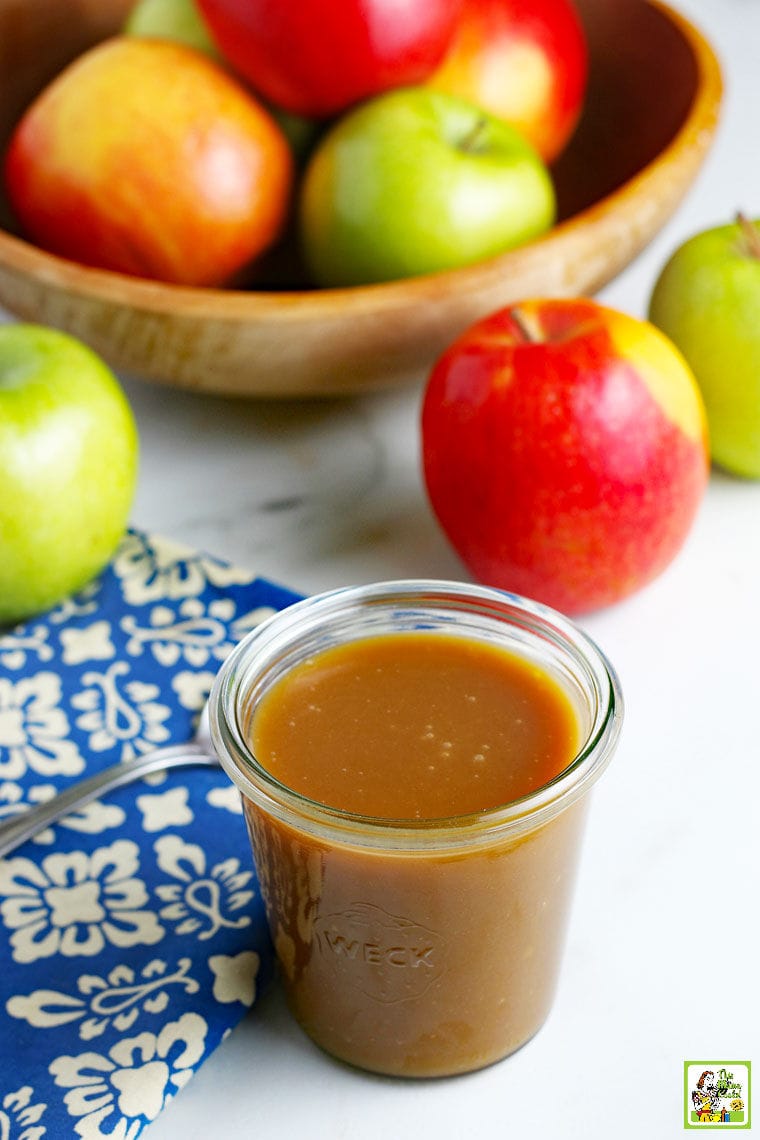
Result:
{"points": [[661, 961]]}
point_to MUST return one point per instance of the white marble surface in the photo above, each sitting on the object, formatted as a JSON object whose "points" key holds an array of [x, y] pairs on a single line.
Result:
{"points": [[661, 962]]}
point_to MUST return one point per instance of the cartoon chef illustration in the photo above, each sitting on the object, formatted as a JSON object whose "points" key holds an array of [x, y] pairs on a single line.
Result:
{"points": [[704, 1097]]}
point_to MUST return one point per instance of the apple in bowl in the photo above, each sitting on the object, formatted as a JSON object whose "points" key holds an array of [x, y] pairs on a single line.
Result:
{"points": [[178, 20], [145, 157], [417, 181], [317, 59], [526, 63]]}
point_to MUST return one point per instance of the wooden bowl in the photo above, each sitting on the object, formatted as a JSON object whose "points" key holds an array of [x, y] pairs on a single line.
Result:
{"points": [[651, 112]]}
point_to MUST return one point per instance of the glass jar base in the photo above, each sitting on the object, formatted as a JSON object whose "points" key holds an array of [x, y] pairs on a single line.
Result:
{"points": [[435, 1062]]}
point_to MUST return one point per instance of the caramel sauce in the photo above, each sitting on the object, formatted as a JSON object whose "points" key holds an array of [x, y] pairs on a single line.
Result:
{"points": [[415, 726], [416, 961]]}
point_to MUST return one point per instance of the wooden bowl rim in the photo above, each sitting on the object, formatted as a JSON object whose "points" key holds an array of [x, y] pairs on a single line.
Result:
{"points": [[164, 298]]}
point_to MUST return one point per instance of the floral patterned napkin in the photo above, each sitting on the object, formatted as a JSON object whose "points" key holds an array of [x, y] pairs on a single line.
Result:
{"points": [[132, 934]]}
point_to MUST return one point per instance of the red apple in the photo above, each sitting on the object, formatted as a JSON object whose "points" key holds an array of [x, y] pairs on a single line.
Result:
{"points": [[316, 59], [564, 451], [525, 61], [146, 157]]}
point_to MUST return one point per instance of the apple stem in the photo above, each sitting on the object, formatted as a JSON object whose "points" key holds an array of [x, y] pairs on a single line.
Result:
{"points": [[472, 139], [751, 236], [526, 327]]}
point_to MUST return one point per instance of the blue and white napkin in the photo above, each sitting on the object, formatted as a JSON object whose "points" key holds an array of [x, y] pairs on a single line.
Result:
{"points": [[132, 934]]}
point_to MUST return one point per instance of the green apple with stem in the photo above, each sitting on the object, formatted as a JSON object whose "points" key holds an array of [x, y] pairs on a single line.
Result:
{"points": [[418, 181], [68, 465], [707, 300]]}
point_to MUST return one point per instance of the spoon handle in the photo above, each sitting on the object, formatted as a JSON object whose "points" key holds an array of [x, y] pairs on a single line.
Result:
{"points": [[16, 831]]}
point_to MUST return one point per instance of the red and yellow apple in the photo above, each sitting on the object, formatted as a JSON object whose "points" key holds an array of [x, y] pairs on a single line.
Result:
{"points": [[564, 451], [525, 61], [145, 157], [317, 59]]}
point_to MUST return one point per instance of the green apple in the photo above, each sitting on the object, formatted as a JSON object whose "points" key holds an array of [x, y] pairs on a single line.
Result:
{"points": [[707, 300], [68, 465], [177, 20], [417, 181]]}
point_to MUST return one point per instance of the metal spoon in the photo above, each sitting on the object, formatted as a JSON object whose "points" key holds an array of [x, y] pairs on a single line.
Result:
{"points": [[15, 831]]}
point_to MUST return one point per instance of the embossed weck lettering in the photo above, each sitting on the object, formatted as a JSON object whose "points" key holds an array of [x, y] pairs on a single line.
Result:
{"points": [[375, 954]]}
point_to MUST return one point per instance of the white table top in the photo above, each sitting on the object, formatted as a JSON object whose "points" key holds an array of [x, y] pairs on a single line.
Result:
{"points": [[661, 959]]}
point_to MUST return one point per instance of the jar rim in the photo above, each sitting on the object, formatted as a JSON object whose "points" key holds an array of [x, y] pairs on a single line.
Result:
{"points": [[421, 597]]}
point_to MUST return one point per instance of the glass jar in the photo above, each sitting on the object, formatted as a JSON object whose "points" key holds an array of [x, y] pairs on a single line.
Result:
{"points": [[417, 947]]}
